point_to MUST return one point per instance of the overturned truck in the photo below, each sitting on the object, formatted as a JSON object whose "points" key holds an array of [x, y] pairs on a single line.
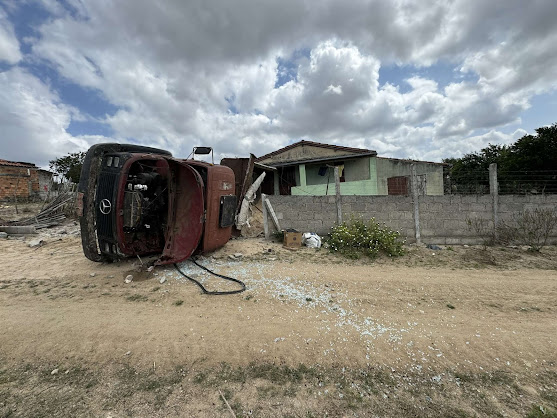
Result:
{"points": [[135, 201]]}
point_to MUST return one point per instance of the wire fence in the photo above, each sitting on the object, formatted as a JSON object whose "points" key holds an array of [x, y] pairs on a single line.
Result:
{"points": [[509, 182], [476, 183], [527, 182]]}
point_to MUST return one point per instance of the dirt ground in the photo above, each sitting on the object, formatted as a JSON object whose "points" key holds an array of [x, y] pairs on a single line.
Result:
{"points": [[462, 331]]}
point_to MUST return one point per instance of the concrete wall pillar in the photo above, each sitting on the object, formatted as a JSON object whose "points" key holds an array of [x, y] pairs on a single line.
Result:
{"points": [[276, 182], [494, 191], [415, 203]]}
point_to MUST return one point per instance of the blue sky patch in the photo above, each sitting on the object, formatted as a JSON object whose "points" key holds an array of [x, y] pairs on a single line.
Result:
{"points": [[27, 18], [287, 68], [78, 128], [543, 108], [231, 106], [442, 72], [89, 101]]}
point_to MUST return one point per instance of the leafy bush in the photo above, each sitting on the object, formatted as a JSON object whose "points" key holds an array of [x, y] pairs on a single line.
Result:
{"points": [[530, 227], [278, 236], [357, 237]]}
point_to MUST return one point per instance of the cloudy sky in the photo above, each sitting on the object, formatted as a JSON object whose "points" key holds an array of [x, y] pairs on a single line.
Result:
{"points": [[424, 79]]}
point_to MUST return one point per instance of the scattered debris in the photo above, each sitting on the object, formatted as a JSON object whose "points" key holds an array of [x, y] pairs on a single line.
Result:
{"points": [[434, 247], [55, 371], [11, 229], [52, 214], [128, 279], [3, 235], [35, 243], [162, 280], [243, 216], [128, 353], [292, 238], [93, 274], [311, 240], [150, 269], [227, 404]]}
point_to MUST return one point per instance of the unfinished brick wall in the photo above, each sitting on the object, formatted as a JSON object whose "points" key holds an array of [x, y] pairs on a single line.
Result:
{"points": [[21, 181]]}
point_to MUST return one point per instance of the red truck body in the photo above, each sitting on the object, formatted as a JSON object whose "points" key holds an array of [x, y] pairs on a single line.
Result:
{"points": [[137, 200]]}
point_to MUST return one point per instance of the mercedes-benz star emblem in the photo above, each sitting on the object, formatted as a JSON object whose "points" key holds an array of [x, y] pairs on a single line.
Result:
{"points": [[105, 206]]}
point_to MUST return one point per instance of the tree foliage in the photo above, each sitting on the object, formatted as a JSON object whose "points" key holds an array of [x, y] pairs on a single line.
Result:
{"points": [[469, 174], [534, 152], [68, 166]]}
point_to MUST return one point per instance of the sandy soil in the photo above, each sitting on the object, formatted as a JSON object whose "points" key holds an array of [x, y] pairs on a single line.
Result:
{"points": [[461, 331]]}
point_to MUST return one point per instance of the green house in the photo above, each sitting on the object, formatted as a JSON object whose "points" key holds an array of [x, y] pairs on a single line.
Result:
{"points": [[307, 168]]}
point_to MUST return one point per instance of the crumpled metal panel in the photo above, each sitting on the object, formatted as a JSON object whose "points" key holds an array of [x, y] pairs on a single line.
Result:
{"points": [[186, 212]]}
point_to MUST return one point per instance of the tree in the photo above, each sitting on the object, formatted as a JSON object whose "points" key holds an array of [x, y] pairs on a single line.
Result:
{"points": [[68, 166], [469, 174], [535, 152], [516, 164]]}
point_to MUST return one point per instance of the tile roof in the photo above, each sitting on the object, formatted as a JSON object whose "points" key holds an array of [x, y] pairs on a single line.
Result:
{"points": [[317, 144], [17, 164]]}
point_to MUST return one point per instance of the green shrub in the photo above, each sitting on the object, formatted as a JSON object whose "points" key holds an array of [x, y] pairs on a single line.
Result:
{"points": [[539, 411], [357, 237], [278, 235]]}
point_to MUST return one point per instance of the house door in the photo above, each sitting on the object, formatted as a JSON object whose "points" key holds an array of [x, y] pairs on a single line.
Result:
{"points": [[397, 185], [287, 180]]}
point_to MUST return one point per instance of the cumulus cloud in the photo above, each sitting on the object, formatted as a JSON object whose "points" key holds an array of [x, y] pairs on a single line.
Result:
{"points": [[9, 45], [184, 74], [33, 120]]}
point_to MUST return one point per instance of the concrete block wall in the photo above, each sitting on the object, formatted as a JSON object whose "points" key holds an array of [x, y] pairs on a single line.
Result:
{"points": [[318, 213], [443, 219], [511, 204]]}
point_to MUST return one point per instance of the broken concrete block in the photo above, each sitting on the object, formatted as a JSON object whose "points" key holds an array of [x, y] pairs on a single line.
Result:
{"points": [[35, 243]]}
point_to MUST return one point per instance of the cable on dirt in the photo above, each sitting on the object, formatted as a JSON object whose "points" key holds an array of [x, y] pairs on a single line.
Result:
{"points": [[207, 292]]}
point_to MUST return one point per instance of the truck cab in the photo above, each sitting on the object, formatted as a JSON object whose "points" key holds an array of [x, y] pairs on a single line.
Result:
{"points": [[135, 201]]}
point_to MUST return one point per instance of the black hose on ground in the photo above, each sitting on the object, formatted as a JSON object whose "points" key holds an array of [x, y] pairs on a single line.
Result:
{"points": [[207, 292]]}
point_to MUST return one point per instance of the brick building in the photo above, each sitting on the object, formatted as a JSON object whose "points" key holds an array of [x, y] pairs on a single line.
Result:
{"points": [[18, 179]]}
